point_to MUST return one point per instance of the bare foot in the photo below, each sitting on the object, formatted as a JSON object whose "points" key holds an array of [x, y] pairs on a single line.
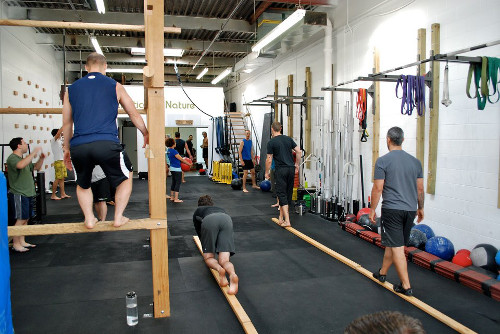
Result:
{"points": [[122, 221], [28, 245], [245, 191], [90, 225], [168, 197], [282, 223], [20, 249], [65, 196], [222, 277], [233, 287], [256, 187], [275, 205], [183, 181], [178, 201], [55, 198]]}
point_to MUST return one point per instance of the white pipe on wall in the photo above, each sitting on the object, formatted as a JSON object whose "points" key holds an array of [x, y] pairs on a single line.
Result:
{"points": [[327, 114]]}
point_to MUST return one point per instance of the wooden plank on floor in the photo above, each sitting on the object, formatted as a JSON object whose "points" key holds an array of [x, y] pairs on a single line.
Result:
{"points": [[69, 228], [412, 300], [238, 310]]}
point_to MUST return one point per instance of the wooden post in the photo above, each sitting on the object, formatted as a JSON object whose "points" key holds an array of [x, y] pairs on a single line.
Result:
{"points": [[153, 21], [421, 119], [376, 116], [308, 116], [290, 106], [276, 106], [434, 112]]}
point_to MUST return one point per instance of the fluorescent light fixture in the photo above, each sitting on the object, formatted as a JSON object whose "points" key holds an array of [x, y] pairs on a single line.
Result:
{"points": [[100, 6], [169, 52], [222, 75], [280, 29], [124, 70], [95, 43], [205, 70]]}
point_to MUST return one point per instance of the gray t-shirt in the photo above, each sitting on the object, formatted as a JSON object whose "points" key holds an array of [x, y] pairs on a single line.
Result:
{"points": [[400, 172]]}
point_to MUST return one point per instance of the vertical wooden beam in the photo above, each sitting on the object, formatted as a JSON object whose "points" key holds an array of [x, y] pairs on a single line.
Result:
{"points": [[422, 52], [308, 116], [153, 21], [434, 112], [290, 106], [376, 116], [276, 106]]}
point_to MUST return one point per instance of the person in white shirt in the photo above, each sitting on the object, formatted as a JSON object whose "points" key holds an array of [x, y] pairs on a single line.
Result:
{"points": [[60, 170]]}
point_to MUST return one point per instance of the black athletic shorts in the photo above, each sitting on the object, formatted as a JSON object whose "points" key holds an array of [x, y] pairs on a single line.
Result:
{"points": [[205, 153], [396, 226], [101, 190], [248, 165], [111, 156]]}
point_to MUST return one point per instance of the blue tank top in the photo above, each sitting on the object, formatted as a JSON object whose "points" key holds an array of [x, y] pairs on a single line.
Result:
{"points": [[95, 108], [246, 153], [174, 162]]}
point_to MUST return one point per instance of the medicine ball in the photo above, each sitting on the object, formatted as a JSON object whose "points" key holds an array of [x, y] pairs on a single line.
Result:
{"points": [[237, 184], [184, 167], [483, 255], [440, 246], [462, 259], [429, 233], [364, 221], [265, 185], [350, 218], [463, 250], [363, 211], [497, 258], [202, 171], [417, 239]]}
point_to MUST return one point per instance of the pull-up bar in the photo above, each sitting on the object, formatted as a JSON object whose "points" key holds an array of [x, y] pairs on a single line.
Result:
{"points": [[449, 57]]}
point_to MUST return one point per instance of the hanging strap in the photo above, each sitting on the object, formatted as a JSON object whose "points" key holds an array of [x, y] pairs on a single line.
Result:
{"points": [[361, 112], [478, 71], [493, 71], [413, 94]]}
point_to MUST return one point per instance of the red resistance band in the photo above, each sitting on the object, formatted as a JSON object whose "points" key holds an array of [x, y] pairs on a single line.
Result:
{"points": [[361, 112]]}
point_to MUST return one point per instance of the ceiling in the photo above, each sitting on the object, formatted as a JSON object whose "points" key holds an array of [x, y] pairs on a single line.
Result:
{"points": [[200, 22]]}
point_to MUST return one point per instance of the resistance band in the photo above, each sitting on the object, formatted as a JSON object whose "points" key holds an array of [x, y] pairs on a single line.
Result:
{"points": [[483, 73], [413, 94], [361, 112]]}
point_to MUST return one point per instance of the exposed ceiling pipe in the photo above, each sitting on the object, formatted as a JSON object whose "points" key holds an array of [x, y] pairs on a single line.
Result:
{"points": [[219, 32]]}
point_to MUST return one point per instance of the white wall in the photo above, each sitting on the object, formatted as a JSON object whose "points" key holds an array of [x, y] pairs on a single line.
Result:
{"points": [[464, 207], [21, 57]]}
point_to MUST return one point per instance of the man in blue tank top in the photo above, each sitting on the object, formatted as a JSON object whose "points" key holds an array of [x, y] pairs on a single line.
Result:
{"points": [[398, 178], [247, 160], [91, 105]]}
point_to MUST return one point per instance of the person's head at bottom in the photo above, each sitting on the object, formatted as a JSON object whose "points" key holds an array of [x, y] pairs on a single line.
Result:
{"points": [[205, 200], [385, 322]]}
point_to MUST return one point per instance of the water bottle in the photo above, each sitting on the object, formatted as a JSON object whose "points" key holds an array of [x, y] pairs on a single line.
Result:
{"points": [[132, 313]]}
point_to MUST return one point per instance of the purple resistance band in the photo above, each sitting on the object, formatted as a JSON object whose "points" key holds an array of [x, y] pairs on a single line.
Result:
{"points": [[413, 88]]}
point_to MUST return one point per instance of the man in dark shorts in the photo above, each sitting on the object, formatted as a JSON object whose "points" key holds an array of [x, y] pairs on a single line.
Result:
{"points": [[101, 192], [21, 193], [204, 146], [182, 147], [215, 230], [247, 160], [398, 178], [280, 149], [91, 104]]}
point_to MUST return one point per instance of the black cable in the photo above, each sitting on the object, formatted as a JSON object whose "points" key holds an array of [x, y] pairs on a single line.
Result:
{"points": [[182, 86]]}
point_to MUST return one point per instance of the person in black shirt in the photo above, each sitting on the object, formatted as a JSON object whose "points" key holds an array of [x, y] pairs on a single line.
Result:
{"points": [[190, 148], [215, 230], [182, 148], [280, 149]]}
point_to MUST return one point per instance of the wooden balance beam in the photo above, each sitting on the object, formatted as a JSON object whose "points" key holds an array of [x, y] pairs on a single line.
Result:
{"points": [[238, 310], [159, 249], [412, 300]]}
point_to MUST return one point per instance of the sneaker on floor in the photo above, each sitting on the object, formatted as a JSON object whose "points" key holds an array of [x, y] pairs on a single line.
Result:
{"points": [[379, 276], [399, 289]]}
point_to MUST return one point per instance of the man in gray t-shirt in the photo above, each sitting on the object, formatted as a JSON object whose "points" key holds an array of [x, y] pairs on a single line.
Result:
{"points": [[399, 179]]}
